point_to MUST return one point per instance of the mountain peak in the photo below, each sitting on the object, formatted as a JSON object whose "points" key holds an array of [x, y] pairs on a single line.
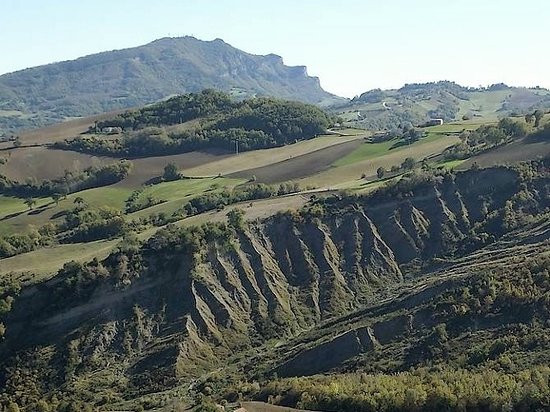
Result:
{"points": [[140, 75]]}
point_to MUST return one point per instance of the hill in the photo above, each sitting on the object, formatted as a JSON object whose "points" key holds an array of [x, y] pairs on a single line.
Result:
{"points": [[446, 269], [417, 103], [132, 77], [171, 126], [127, 276]]}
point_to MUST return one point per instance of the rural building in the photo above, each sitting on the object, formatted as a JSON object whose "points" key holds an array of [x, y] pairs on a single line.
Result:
{"points": [[433, 122]]}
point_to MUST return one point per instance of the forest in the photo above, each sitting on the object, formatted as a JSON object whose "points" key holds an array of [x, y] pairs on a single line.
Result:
{"points": [[254, 123]]}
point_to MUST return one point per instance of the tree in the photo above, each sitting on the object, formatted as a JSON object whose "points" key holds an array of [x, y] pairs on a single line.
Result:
{"points": [[30, 202], [12, 407], [380, 172], [408, 163], [79, 201], [539, 114], [512, 128], [129, 243], [64, 191], [56, 197], [171, 172], [42, 406], [235, 218]]}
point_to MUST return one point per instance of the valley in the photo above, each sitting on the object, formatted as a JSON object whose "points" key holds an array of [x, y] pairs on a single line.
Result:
{"points": [[214, 246]]}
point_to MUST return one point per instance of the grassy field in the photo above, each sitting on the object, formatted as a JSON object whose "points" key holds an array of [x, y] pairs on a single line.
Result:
{"points": [[374, 150], [43, 262], [186, 188], [176, 194], [15, 216], [450, 164], [365, 151], [349, 174], [264, 407], [173, 193], [110, 196], [14, 205]]}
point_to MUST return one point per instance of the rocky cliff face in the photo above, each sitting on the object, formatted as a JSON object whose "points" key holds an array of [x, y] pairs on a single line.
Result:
{"points": [[191, 299]]}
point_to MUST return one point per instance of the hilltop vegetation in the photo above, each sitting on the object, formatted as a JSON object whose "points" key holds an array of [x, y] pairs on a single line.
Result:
{"points": [[254, 124], [132, 77], [417, 103]]}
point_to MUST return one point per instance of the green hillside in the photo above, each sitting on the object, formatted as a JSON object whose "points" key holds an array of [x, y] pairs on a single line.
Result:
{"points": [[438, 282], [145, 265], [417, 103], [132, 77], [169, 127]]}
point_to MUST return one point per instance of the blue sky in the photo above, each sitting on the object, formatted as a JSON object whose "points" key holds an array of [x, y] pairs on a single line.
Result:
{"points": [[352, 45]]}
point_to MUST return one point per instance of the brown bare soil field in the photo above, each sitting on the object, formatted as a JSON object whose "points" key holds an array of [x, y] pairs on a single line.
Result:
{"points": [[63, 130], [300, 166], [260, 158], [147, 168], [528, 148], [42, 163]]}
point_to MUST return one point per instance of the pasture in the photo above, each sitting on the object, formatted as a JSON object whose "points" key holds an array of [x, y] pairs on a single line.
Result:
{"points": [[41, 263]]}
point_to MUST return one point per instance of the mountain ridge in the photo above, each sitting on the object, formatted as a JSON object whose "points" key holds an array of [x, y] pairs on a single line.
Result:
{"points": [[130, 77]]}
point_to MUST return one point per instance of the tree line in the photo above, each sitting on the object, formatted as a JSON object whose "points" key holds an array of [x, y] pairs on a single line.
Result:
{"points": [[70, 182]]}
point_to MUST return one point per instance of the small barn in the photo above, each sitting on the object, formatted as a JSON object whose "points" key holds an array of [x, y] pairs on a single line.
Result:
{"points": [[433, 122]]}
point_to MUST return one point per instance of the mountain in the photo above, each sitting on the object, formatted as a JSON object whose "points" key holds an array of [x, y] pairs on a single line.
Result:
{"points": [[132, 77], [418, 102], [421, 272]]}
